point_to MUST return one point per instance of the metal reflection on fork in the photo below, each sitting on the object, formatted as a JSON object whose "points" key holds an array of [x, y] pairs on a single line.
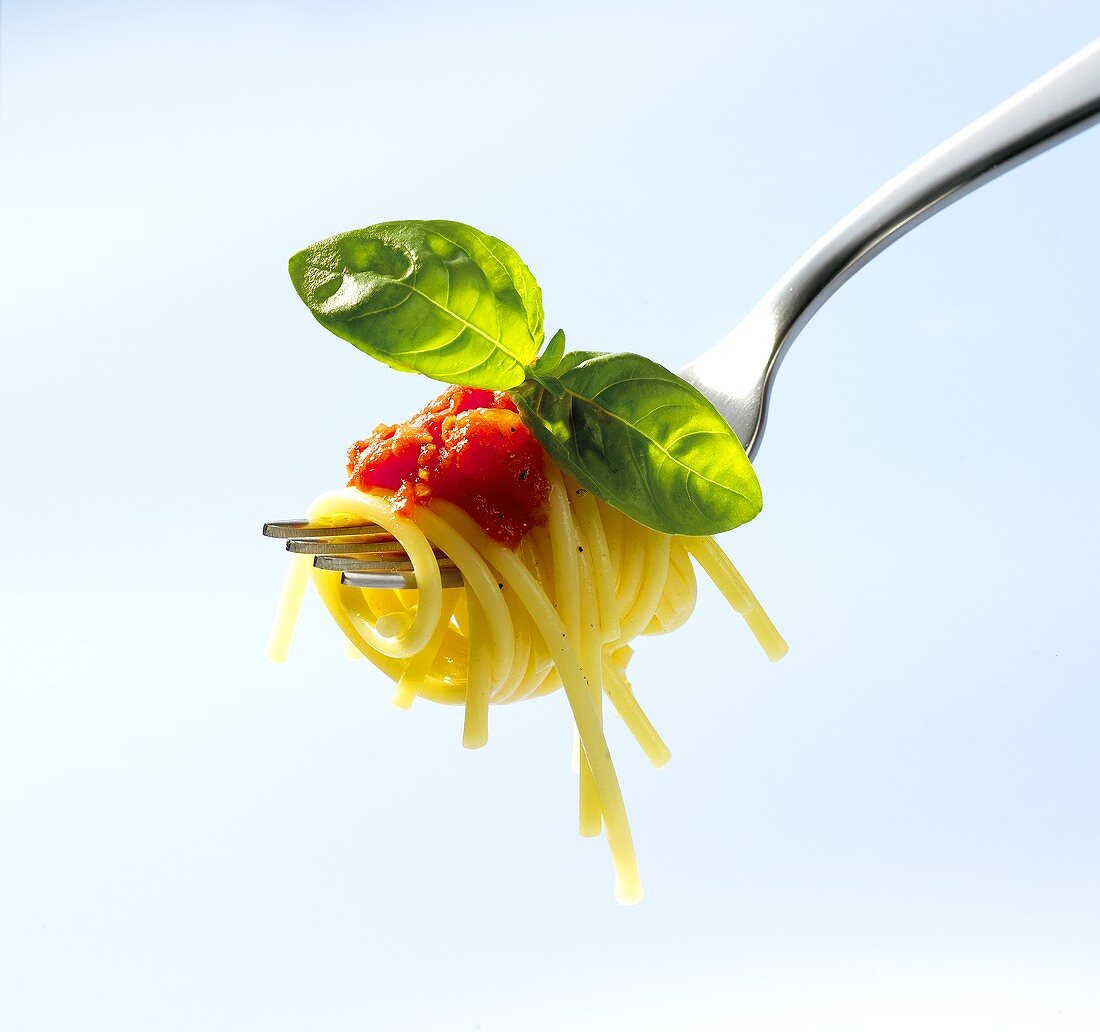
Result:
{"points": [[737, 375]]}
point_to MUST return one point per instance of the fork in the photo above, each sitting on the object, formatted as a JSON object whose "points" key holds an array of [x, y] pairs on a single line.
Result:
{"points": [[737, 374], [340, 549]]}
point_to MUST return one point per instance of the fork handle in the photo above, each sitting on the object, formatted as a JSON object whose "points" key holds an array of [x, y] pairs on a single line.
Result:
{"points": [[1056, 106]]}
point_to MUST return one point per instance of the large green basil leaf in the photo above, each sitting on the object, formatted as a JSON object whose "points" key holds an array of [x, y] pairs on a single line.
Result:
{"points": [[438, 298], [644, 440]]}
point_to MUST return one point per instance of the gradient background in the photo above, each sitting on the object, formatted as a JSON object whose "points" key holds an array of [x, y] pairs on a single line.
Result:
{"points": [[896, 828]]}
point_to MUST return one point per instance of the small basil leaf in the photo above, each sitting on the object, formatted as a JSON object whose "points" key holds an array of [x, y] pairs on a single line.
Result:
{"points": [[553, 353], [543, 369], [438, 298], [644, 440]]}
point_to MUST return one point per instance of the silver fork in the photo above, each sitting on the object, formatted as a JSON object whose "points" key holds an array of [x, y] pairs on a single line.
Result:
{"points": [[737, 374]]}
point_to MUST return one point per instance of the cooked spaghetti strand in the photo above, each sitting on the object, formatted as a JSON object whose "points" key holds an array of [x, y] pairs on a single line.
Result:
{"points": [[559, 611]]}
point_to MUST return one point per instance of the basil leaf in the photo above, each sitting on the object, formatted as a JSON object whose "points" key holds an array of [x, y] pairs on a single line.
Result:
{"points": [[644, 440], [553, 354], [438, 298], [542, 371]]}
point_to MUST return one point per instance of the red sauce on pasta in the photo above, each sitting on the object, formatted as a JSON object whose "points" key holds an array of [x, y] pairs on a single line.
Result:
{"points": [[468, 446]]}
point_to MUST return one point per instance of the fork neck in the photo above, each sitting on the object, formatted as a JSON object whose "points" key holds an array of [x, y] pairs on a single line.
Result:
{"points": [[1056, 106]]}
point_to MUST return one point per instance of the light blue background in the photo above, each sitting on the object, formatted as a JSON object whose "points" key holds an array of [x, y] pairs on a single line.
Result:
{"points": [[896, 828]]}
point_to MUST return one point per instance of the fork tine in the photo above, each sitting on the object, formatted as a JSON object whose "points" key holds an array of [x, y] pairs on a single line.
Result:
{"points": [[345, 564], [319, 546], [304, 529], [451, 577], [393, 573]]}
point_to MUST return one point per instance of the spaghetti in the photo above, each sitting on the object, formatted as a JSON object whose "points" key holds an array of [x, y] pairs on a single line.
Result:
{"points": [[558, 611]]}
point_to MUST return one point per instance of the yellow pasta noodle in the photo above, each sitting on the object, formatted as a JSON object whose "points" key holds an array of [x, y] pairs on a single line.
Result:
{"points": [[560, 611]]}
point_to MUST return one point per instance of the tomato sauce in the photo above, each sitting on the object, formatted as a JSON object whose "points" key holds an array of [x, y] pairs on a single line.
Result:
{"points": [[468, 446]]}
